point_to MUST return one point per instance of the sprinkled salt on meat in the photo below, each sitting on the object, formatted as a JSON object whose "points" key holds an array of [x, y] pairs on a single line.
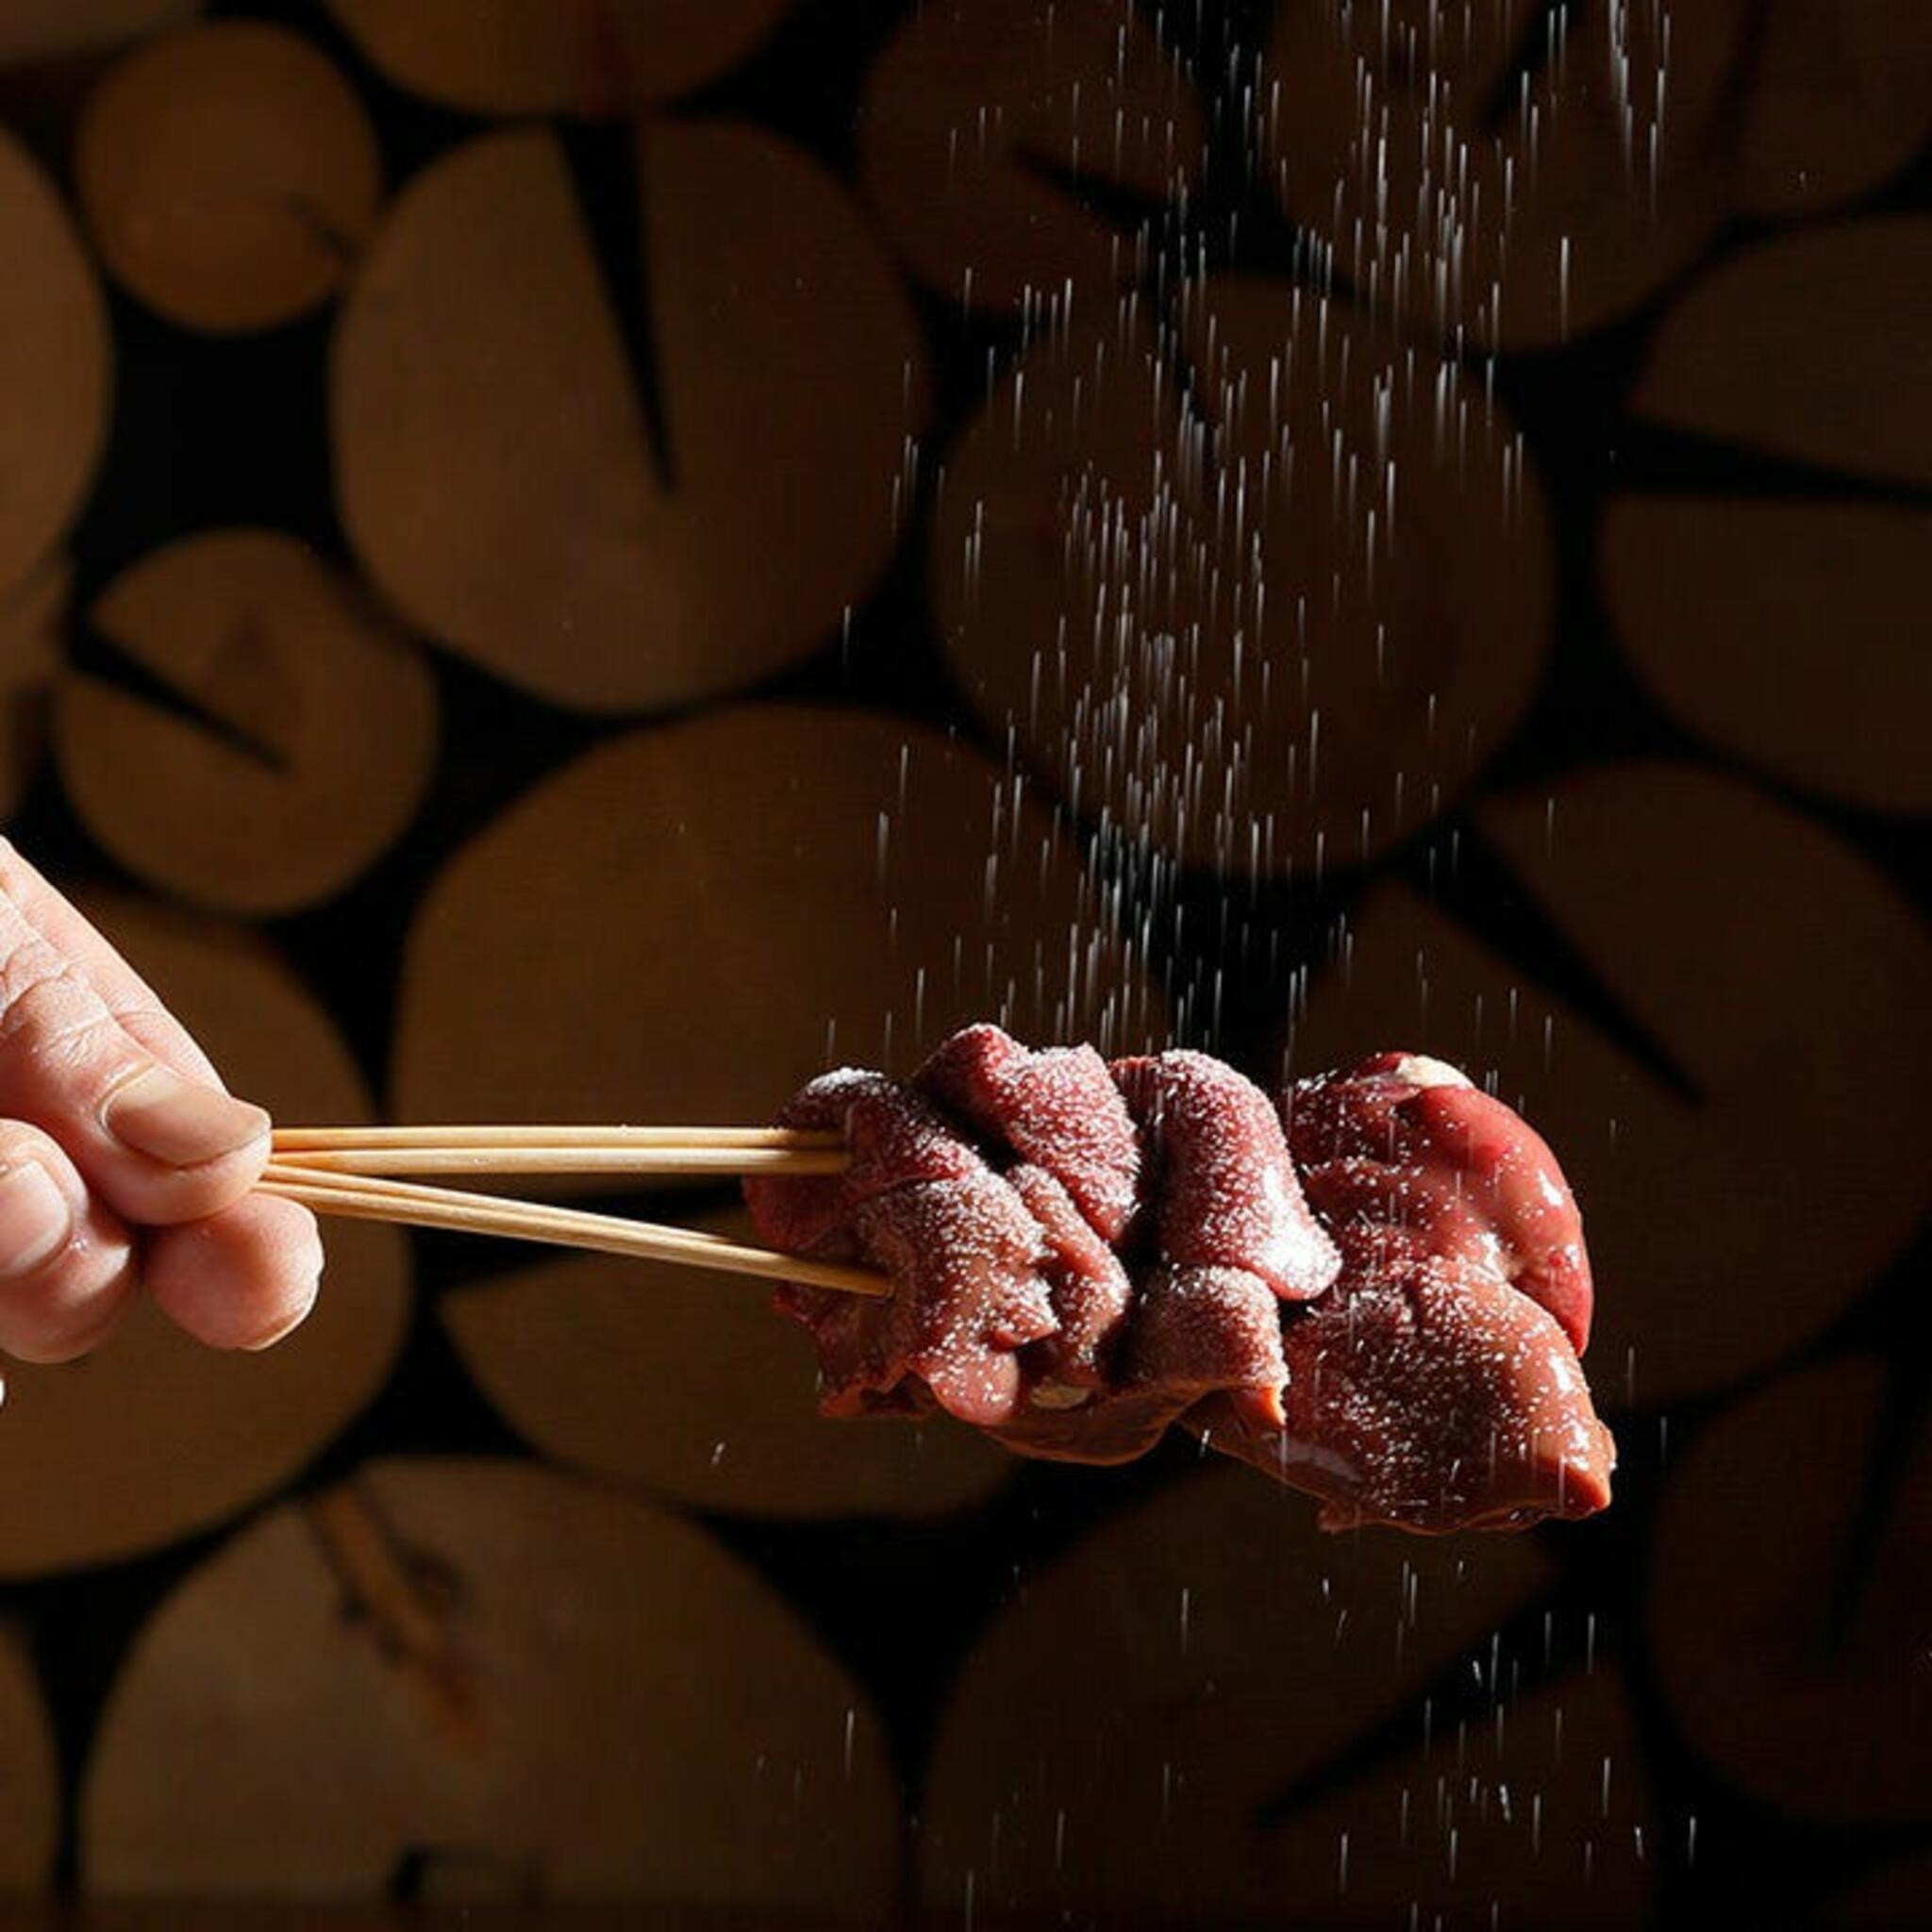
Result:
{"points": [[920, 1203], [1197, 1330], [1404, 1155], [1085, 1284], [964, 1254], [895, 1137], [1057, 1108], [1439, 1399], [1221, 1192], [1407, 1351]]}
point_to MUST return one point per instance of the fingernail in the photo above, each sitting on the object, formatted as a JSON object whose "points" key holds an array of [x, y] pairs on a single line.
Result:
{"points": [[35, 1221], [179, 1121]]}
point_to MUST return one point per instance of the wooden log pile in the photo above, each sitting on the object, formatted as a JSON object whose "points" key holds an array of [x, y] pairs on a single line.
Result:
{"points": [[586, 562]]}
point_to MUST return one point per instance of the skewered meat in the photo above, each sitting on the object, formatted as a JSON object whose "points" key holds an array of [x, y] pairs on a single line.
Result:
{"points": [[1382, 1305], [1437, 1385]]}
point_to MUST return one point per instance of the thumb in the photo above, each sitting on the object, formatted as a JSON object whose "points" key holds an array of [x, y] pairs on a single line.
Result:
{"points": [[159, 1145]]}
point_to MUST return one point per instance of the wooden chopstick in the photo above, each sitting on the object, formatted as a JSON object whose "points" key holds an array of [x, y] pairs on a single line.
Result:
{"points": [[365, 1198]]}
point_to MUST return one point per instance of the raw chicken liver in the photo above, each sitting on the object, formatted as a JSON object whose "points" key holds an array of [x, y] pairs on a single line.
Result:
{"points": [[1436, 1386], [1085, 1255]]}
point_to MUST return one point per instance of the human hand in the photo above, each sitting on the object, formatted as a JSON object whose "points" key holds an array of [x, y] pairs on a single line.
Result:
{"points": [[125, 1166]]}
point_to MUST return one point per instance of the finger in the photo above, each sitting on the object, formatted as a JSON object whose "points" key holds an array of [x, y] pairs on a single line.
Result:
{"points": [[123, 990], [160, 1145], [242, 1278], [66, 1264]]}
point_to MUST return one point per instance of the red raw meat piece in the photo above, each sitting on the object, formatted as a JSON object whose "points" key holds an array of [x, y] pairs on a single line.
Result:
{"points": [[1196, 1331], [965, 1258], [1403, 1157], [1396, 1370], [1439, 1400], [1087, 1288], [1435, 1386], [1219, 1183], [895, 1137], [1056, 1108], [920, 1203]]}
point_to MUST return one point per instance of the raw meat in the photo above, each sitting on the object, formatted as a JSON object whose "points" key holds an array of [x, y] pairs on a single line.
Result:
{"points": [[1436, 1386], [1085, 1255]]}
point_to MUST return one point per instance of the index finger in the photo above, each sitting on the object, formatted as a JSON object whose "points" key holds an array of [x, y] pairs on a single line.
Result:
{"points": [[122, 992]]}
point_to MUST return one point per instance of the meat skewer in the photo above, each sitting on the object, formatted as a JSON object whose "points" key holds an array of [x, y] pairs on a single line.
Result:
{"points": [[1087, 1255], [1376, 1292]]}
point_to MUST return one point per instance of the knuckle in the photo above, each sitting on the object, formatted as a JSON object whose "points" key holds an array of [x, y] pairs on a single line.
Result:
{"points": [[47, 1008], [22, 1141]]}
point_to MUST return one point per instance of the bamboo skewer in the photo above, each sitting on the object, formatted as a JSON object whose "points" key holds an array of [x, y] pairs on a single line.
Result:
{"points": [[562, 1150], [318, 1139], [438, 1159], [368, 1198]]}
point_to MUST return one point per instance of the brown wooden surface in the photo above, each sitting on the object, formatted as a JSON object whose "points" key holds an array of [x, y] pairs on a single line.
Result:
{"points": [[29, 1772], [645, 1718], [494, 468], [1248, 666], [1840, 100], [1808, 348], [229, 174], [976, 102], [563, 57], [1397, 136], [1809, 1687], [38, 30], [1780, 631], [709, 915], [1540, 1810], [320, 735], [1113, 1737], [54, 364], [33, 622], [1775, 967], [685, 1384]]}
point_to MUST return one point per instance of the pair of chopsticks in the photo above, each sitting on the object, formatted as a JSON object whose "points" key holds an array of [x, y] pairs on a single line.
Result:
{"points": [[354, 1172]]}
